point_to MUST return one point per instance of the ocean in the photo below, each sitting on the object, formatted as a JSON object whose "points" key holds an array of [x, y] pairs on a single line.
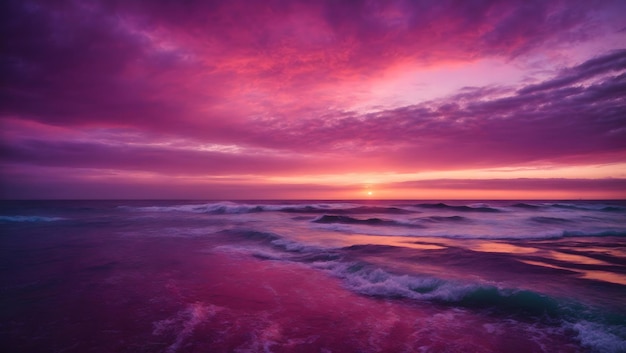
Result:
{"points": [[313, 276]]}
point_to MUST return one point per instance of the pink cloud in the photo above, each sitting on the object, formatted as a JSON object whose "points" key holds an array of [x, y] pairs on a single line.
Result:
{"points": [[144, 85], [551, 121]]}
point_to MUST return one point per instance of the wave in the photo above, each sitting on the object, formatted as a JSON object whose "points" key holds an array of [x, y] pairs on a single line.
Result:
{"points": [[369, 221], [598, 330], [594, 328], [443, 206], [448, 231], [349, 210], [29, 219], [377, 282], [210, 208], [276, 248], [613, 209], [526, 206], [550, 220], [589, 207], [355, 209], [246, 234], [440, 219], [237, 208], [371, 280], [272, 240]]}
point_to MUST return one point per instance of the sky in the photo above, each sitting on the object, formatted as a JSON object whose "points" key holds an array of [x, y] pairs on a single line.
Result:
{"points": [[327, 99]]}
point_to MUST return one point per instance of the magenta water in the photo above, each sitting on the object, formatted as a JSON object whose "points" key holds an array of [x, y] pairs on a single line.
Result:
{"points": [[311, 276]]}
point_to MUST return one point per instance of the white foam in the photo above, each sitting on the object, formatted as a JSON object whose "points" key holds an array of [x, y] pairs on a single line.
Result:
{"points": [[493, 328], [378, 282], [599, 338], [251, 251], [218, 207], [262, 338], [184, 322], [294, 246]]}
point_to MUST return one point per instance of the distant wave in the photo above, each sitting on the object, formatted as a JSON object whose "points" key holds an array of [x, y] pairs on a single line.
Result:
{"points": [[368, 221], [236, 208], [526, 205], [550, 220], [589, 207], [440, 219], [348, 210], [355, 209], [443, 206], [572, 206], [29, 219], [613, 209], [210, 208]]}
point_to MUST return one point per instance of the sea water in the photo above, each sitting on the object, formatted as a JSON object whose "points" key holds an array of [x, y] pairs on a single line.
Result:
{"points": [[312, 276]]}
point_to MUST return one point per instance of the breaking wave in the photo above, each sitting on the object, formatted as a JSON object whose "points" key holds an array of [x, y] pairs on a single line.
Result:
{"points": [[374, 281]]}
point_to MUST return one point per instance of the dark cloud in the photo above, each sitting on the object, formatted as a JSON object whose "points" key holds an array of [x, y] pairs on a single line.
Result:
{"points": [[164, 160], [72, 62], [476, 128], [609, 63]]}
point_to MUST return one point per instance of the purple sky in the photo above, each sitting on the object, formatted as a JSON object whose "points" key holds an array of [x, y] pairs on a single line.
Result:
{"points": [[313, 99]]}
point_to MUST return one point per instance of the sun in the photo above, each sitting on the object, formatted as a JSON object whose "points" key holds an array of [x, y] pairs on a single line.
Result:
{"points": [[370, 193]]}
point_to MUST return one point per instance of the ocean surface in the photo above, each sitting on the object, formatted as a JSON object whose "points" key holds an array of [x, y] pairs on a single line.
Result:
{"points": [[313, 276]]}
